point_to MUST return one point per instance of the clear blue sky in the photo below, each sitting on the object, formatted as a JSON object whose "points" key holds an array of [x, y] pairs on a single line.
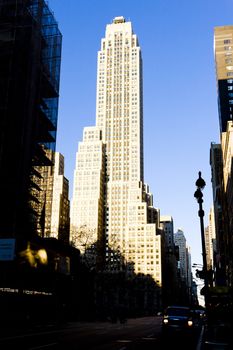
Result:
{"points": [[180, 100]]}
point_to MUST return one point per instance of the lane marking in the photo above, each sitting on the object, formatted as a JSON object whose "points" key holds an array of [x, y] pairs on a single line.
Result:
{"points": [[215, 343], [124, 341], [43, 346]]}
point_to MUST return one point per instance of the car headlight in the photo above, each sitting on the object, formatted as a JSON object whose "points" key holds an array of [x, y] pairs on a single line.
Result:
{"points": [[190, 323], [165, 321]]}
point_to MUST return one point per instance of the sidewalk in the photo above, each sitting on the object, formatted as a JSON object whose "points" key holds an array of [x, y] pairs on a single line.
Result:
{"points": [[217, 336], [19, 328]]}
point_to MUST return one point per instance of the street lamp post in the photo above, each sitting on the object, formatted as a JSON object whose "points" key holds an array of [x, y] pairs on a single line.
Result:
{"points": [[200, 183]]}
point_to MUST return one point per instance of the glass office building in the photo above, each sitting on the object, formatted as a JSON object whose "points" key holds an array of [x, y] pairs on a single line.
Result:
{"points": [[30, 57]]}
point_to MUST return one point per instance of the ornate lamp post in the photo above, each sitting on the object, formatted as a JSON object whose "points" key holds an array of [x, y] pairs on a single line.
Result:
{"points": [[200, 183]]}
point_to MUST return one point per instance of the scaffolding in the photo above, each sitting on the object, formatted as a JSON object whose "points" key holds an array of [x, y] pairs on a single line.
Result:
{"points": [[30, 59]]}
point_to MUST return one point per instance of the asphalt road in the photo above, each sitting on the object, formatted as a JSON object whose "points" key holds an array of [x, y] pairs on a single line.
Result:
{"points": [[135, 334]]}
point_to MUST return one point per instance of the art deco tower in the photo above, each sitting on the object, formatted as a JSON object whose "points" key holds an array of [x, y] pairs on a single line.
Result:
{"points": [[128, 227]]}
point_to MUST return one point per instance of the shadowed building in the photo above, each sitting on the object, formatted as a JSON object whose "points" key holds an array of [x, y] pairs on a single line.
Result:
{"points": [[30, 57], [170, 262], [30, 46], [223, 50], [222, 166], [184, 266]]}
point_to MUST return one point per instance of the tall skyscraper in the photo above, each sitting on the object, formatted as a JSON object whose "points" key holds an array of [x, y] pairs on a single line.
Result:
{"points": [[110, 188], [223, 50]]}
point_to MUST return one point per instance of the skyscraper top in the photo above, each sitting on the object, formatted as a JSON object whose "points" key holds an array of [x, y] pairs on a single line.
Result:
{"points": [[119, 19], [119, 25]]}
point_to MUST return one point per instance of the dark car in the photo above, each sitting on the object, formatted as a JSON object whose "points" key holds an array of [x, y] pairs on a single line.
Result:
{"points": [[177, 318], [199, 317]]}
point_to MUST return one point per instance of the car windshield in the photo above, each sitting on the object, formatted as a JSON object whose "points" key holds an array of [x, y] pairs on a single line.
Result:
{"points": [[177, 311]]}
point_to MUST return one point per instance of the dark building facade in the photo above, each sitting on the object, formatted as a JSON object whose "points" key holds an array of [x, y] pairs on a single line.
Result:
{"points": [[221, 157], [32, 268], [223, 45], [220, 213], [30, 56]]}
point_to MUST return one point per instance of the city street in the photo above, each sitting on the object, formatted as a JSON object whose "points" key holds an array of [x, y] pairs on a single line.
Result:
{"points": [[102, 246], [135, 334]]}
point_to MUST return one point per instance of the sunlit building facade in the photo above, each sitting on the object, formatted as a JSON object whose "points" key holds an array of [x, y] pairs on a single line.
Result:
{"points": [[60, 211], [88, 191], [129, 235], [210, 240]]}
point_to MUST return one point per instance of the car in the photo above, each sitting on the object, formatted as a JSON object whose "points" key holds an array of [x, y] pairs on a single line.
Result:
{"points": [[199, 317], [177, 318]]}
